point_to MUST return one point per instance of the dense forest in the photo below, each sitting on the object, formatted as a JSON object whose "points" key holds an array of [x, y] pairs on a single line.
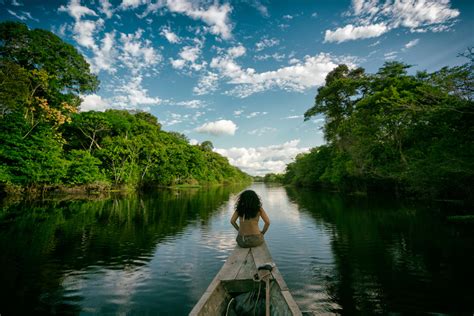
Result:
{"points": [[393, 131], [46, 142]]}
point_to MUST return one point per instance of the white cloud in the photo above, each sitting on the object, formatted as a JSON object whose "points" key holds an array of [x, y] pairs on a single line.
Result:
{"points": [[374, 44], [215, 16], [170, 35], [177, 63], [207, 84], [133, 94], [188, 57], [93, 102], [390, 55], [275, 56], [294, 117], [265, 43], [104, 56], [76, 10], [237, 113], [255, 114], [260, 7], [131, 4], [351, 32], [261, 131], [288, 17], [221, 127], [84, 32], [106, 8], [23, 16], [191, 104], [263, 160], [416, 15], [16, 3], [236, 51], [419, 13], [306, 74], [174, 118], [137, 53], [412, 43]]}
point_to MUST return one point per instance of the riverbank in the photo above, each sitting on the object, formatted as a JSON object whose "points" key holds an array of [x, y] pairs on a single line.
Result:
{"points": [[8, 190]]}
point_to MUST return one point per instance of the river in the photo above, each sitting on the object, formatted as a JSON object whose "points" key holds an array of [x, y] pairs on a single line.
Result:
{"points": [[155, 253]]}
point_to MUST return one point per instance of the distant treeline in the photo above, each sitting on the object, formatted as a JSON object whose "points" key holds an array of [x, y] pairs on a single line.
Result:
{"points": [[44, 141], [393, 131]]}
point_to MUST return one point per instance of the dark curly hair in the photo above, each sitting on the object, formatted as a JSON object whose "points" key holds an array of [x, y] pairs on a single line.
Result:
{"points": [[248, 204]]}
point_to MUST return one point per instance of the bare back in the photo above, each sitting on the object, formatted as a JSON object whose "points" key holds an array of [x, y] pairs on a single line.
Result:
{"points": [[249, 226]]}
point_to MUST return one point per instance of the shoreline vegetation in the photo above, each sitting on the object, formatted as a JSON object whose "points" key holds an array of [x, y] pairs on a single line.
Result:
{"points": [[409, 135], [48, 145]]}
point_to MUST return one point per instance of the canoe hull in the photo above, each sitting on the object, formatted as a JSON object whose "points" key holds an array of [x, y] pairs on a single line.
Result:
{"points": [[237, 276]]}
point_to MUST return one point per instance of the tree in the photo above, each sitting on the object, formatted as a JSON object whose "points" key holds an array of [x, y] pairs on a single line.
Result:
{"points": [[207, 145]]}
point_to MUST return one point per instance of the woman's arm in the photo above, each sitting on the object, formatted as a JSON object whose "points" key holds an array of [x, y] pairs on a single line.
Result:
{"points": [[233, 220], [265, 219]]}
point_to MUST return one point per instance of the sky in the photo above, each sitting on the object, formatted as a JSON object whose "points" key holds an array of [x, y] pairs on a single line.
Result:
{"points": [[242, 73]]}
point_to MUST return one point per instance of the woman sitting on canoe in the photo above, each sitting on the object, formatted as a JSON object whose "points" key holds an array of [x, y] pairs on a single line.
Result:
{"points": [[248, 210]]}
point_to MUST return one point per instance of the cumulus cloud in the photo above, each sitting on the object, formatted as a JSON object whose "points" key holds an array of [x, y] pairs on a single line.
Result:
{"points": [[188, 58], [390, 55], [76, 10], [236, 51], [170, 35], [104, 55], [221, 127], [84, 32], [262, 130], [215, 16], [23, 15], [260, 7], [255, 114], [416, 15], [133, 94], [191, 104], [302, 75], [265, 43], [263, 160], [131, 4], [106, 8], [208, 83], [93, 102], [351, 32], [137, 53], [412, 43]]}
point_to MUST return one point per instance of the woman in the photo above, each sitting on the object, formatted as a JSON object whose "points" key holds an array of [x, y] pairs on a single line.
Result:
{"points": [[249, 210]]}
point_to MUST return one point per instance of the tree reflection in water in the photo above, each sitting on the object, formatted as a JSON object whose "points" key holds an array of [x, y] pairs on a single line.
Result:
{"points": [[43, 243], [392, 257]]}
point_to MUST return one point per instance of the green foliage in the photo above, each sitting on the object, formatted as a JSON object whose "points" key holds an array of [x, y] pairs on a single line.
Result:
{"points": [[44, 141], [273, 178], [83, 168], [393, 130]]}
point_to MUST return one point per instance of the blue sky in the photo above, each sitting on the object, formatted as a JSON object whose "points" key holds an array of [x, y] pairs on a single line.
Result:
{"points": [[242, 73]]}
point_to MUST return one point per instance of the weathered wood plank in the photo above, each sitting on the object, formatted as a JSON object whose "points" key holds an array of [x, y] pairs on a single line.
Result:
{"points": [[236, 275], [233, 264], [247, 269], [211, 302], [295, 310], [261, 256]]}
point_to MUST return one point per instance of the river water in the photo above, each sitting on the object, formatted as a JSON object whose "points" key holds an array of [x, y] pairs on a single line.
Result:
{"points": [[156, 253]]}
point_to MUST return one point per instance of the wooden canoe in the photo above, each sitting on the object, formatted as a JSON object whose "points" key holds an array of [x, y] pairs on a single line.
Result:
{"points": [[237, 276]]}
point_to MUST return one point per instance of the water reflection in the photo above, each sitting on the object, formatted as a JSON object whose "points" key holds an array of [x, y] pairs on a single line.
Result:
{"points": [[94, 256], [157, 253], [392, 258]]}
